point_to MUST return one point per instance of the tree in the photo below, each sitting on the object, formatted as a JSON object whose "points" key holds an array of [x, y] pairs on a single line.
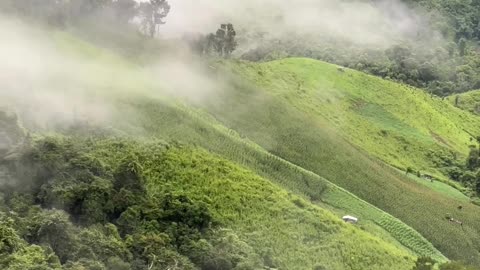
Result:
{"points": [[473, 159], [152, 14], [230, 42], [222, 42], [115, 263], [53, 228], [220, 39]]}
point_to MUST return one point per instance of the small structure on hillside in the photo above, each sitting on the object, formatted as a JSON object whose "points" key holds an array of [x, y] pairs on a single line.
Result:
{"points": [[350, 219], [451, 219]]}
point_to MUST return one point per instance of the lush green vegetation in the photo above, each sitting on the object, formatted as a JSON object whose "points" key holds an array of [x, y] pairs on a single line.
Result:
{"points": [[414, 129], [290, 145], [261, 117], [135, 204], [266, 120]]}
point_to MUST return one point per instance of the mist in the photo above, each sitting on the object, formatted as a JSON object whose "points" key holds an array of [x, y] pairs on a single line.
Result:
{"points": [[370, 23], [49, 82], [46, 84], [40, 84]]}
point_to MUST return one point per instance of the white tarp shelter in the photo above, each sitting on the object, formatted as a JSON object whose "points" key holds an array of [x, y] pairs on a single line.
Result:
{"points": [[350, 219]]}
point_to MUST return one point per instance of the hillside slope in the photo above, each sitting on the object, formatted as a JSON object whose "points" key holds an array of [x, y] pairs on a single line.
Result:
{"points": [[240, 200], [401, 125], [297, 149], [292, 232], [239, 110], [309, 140]]}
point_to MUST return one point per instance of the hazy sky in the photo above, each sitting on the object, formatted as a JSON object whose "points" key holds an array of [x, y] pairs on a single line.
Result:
{"points": [[359, 21]]}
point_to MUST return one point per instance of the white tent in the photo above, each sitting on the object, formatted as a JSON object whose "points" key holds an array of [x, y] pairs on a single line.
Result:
{"points": [[350, 219]]}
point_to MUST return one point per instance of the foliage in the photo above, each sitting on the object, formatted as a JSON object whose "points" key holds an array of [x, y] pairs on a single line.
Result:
{"points": [[424, 263], [222, 43], [179, 198], [152, 14]]}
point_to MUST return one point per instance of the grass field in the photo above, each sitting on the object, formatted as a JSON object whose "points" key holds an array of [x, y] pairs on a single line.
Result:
{"points": [[324, 145], [196, 128], [401, 125], [308, 139]]}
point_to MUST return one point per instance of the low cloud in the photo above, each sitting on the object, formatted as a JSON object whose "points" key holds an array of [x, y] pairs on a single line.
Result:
{"points": [[371, 23]]}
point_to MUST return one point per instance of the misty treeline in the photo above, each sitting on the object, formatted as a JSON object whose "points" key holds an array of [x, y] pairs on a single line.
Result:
{"points": [[115, 19], [223, 42], [146, 15], [61, 207], [443, 58], [444, 64]]}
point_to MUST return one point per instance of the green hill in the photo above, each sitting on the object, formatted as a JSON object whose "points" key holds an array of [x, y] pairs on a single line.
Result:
{"points": [[313, 131], [295, 233], [282, 227], [307, 139], [401, 125], [263, 131]]}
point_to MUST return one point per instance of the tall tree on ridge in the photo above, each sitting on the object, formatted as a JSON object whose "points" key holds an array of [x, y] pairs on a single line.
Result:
{"points": [[152, 14]]}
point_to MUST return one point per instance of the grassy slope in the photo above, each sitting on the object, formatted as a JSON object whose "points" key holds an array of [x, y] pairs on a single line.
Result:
{"points": [[176, 122], [396, 123], [305, 138], [295, 233], [193, 127], [469, 101], [305, 235]]}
